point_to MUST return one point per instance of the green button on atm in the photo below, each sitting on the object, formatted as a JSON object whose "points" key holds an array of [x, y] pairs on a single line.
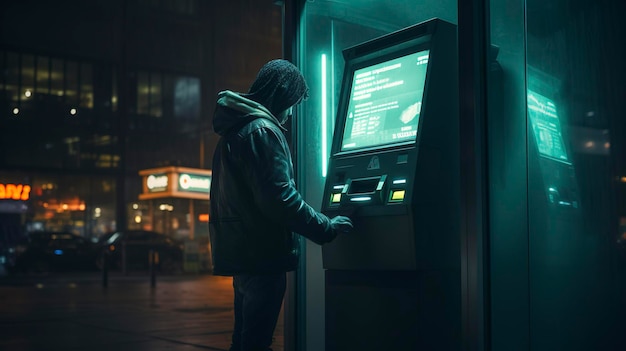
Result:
{"points": [[397, 192], [335, 195], [335, 198], [397, 195]]}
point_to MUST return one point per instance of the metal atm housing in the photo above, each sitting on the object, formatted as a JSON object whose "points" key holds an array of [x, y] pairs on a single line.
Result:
{"points": [[403, 256]]}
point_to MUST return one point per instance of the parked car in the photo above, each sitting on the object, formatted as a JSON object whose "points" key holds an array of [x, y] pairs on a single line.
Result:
{"points": [[40, 252], [9, 238], [135, 246]]}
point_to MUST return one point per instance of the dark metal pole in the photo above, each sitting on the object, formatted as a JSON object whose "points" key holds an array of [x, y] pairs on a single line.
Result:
{"points": [[105, 268], [124, 270], [153, 261], [472, 42], [294, 321], [122, 122]]}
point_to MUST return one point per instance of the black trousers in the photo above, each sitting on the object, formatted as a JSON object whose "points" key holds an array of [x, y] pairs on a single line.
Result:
{"points": [[258, 299]]}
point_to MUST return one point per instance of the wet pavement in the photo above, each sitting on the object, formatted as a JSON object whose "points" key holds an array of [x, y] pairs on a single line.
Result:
{"points": [[75, 312]]}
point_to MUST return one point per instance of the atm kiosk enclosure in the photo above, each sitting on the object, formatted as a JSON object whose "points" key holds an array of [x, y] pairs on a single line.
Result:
{"points": [[394, 282]]}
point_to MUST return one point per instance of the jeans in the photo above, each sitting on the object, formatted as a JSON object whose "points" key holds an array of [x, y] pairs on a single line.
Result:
{"points": [[258, 299]]}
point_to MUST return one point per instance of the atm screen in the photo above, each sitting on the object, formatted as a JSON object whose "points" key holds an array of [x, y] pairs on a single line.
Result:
{"points": [[546, 127], [385, 103]]}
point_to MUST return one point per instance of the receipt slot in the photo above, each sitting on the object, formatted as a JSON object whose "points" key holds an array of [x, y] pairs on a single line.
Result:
{"points": [[394, 282]]}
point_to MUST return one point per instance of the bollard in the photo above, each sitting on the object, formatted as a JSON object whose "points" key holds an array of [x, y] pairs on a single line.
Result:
{"points": [[105, 269], [124, 271], [153, 258]]}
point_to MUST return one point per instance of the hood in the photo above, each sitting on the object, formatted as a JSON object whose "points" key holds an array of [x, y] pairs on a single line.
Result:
{"points": [[278, 86], [234, 110]]}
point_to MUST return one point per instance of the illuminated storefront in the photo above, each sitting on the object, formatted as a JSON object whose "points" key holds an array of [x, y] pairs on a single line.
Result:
{"points": [[174, 201], [82, 205]]}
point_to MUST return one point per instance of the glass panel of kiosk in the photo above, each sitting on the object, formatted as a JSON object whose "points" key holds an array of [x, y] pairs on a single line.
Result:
{"points": [[550, 151], [546, 127], [394, 161]]}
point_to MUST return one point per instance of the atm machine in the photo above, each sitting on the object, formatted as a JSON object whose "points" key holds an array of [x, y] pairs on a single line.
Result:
{"points": [[394, 283]]}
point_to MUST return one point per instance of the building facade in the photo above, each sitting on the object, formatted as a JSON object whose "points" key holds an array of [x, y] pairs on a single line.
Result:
{"points": [[93, 93]]}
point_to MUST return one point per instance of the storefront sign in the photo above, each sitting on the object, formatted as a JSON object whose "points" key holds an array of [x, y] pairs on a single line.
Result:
{"points": [[14, 192], [175, 182], [194, 182], [157, 182]]}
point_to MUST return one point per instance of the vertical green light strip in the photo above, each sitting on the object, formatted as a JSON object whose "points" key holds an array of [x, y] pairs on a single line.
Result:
{"points": [[333, 107], [324, 119]]}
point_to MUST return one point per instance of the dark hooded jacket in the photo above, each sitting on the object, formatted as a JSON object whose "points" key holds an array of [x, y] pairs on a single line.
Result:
{"points": [[255, 207]]}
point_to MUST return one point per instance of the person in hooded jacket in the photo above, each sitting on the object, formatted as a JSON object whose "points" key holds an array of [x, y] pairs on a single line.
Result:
{"points": [[255, 206]]}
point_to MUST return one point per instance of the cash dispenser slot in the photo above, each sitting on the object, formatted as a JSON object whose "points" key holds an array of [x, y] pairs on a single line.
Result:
{"points": [[365, 190], [363, 186]]}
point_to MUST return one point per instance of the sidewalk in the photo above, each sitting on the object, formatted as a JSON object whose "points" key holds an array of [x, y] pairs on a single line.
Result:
{"points": [[74, 312]]}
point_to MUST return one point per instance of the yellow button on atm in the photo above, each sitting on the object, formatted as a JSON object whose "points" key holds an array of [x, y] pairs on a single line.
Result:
{"points": [[335, 198], [397, 195]]}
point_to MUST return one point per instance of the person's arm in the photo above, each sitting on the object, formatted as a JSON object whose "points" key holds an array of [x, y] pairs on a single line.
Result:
{"points": [[268, 167]]}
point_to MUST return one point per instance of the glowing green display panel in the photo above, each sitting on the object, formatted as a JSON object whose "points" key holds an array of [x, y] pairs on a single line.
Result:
{"points": [[546, 127], [385, 103]]}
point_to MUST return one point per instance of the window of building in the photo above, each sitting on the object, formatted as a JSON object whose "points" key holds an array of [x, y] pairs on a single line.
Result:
{"points": [[114, 92], [51, 92], [143, 93], [156, 96], [12, 78], [165, 95], [56, 78], [187, 98], [150, 94], [43, 75], [71, 84], [86, 85], [28, 78]]}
